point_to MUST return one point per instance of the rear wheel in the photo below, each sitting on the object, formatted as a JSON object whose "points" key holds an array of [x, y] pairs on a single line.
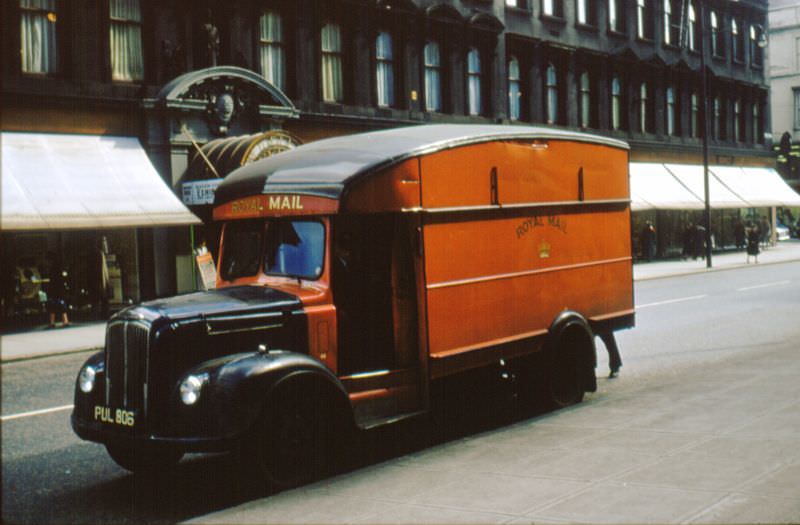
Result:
{"points": [[144, 458], [566, 361]]}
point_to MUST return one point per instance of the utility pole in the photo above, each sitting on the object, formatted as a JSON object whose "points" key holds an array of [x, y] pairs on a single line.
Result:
{"points": [[704, 73]]}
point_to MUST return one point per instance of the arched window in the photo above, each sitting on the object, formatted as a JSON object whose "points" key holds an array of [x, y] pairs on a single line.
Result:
{"points": [[384, 69], [692, 34], [514, 89], [331, 46], [738, 121], [270, 49], [737, 41], [716, 34], [717, 118], [474, 82], [695, 119], [551, 90], [433, 77], [758, 133], [668, 22], [616, 103], [644, 19], [585, 100], [756, 52]]}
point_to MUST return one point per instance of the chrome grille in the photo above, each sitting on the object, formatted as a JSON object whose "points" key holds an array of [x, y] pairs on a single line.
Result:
{"points": [[127, 354]]}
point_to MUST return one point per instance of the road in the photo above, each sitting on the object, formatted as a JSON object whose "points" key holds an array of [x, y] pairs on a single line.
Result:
{"points": [[695, 369]]}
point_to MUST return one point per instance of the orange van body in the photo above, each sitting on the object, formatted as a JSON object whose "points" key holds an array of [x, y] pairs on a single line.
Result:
{"points": [[482, 239]]}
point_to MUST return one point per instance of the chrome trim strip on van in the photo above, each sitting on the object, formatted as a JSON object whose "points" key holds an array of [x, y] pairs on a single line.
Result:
{"points": [[211, 331], [514, 206], [501, 276]]}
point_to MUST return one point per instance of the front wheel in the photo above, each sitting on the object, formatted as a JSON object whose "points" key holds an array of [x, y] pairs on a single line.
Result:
{"points": [[292, 443], [144, 458]]}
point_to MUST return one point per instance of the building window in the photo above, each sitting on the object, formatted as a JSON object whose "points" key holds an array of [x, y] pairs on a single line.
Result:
{"points": [[270, 44], [474, 82], [695, 117], [514, 89], [717, 42], [738, 121], [585, 100], [692, 35], [616, 15], [433, 77], [758, 134], [384, 69], [553, 8], [331, 45], [644, 19], [644, 108], [586, 12], [551, 90], [671, 122], [38, 46], [719, 119], [616, 104], [737, 41], [756, 52], [672, 22], [126, 40], [519, 4]]}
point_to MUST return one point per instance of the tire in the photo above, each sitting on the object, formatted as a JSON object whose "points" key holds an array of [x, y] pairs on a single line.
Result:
{"points": [[292, 442], [146, 458], [564, 385]]}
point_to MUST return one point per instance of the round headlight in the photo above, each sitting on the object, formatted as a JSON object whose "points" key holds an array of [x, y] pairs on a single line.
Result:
{"points": [[86, 379], [190, 389]]}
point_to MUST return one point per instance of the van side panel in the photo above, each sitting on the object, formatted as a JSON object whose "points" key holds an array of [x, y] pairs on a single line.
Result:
{"points": [[526, 171], [396, 188], [497, 275]]}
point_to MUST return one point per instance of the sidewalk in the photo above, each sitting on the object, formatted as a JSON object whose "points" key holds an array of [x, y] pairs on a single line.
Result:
{"points": [[45, 342]]}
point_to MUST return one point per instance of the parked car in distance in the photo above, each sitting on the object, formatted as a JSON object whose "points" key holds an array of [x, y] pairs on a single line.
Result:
{"points": [[781, 231]]}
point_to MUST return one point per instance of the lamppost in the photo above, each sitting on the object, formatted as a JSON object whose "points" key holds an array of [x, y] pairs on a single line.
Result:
{"points": [[761, 43]]}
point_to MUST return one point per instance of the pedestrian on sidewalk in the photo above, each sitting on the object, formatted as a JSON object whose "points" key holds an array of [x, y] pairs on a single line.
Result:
{"points": [[753, 239], [614, 359], [699, 242], [648, 241], [739, 235], [56, 289], [688, 241]]}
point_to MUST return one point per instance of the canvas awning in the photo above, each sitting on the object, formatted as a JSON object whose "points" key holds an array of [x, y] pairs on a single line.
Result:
{"points": [[55, 182], [654, 187], [681, 187]]}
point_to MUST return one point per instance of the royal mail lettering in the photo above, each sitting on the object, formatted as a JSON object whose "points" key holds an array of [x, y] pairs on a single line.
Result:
{"points": [[285, 202]]}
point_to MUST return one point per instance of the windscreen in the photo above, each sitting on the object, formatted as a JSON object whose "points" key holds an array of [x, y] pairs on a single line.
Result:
{"points": [[284, 247]]}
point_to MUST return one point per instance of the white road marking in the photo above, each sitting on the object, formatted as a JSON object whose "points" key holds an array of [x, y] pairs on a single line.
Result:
{"points": [[35, 412], [778, 283], [670, 301]]}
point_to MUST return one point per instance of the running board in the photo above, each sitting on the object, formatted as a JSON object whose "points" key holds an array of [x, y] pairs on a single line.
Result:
{"points": [[392, 420]]}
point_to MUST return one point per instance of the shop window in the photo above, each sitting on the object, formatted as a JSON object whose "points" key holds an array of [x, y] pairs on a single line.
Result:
{"points": [[616, 16], [331, 46], [616, 103], [271, 53], [587, 14], [433, 77], [644, 19], [551, 98], [474, 80], [38, 36], [514, 89], [125, 40], [553, 8]]}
